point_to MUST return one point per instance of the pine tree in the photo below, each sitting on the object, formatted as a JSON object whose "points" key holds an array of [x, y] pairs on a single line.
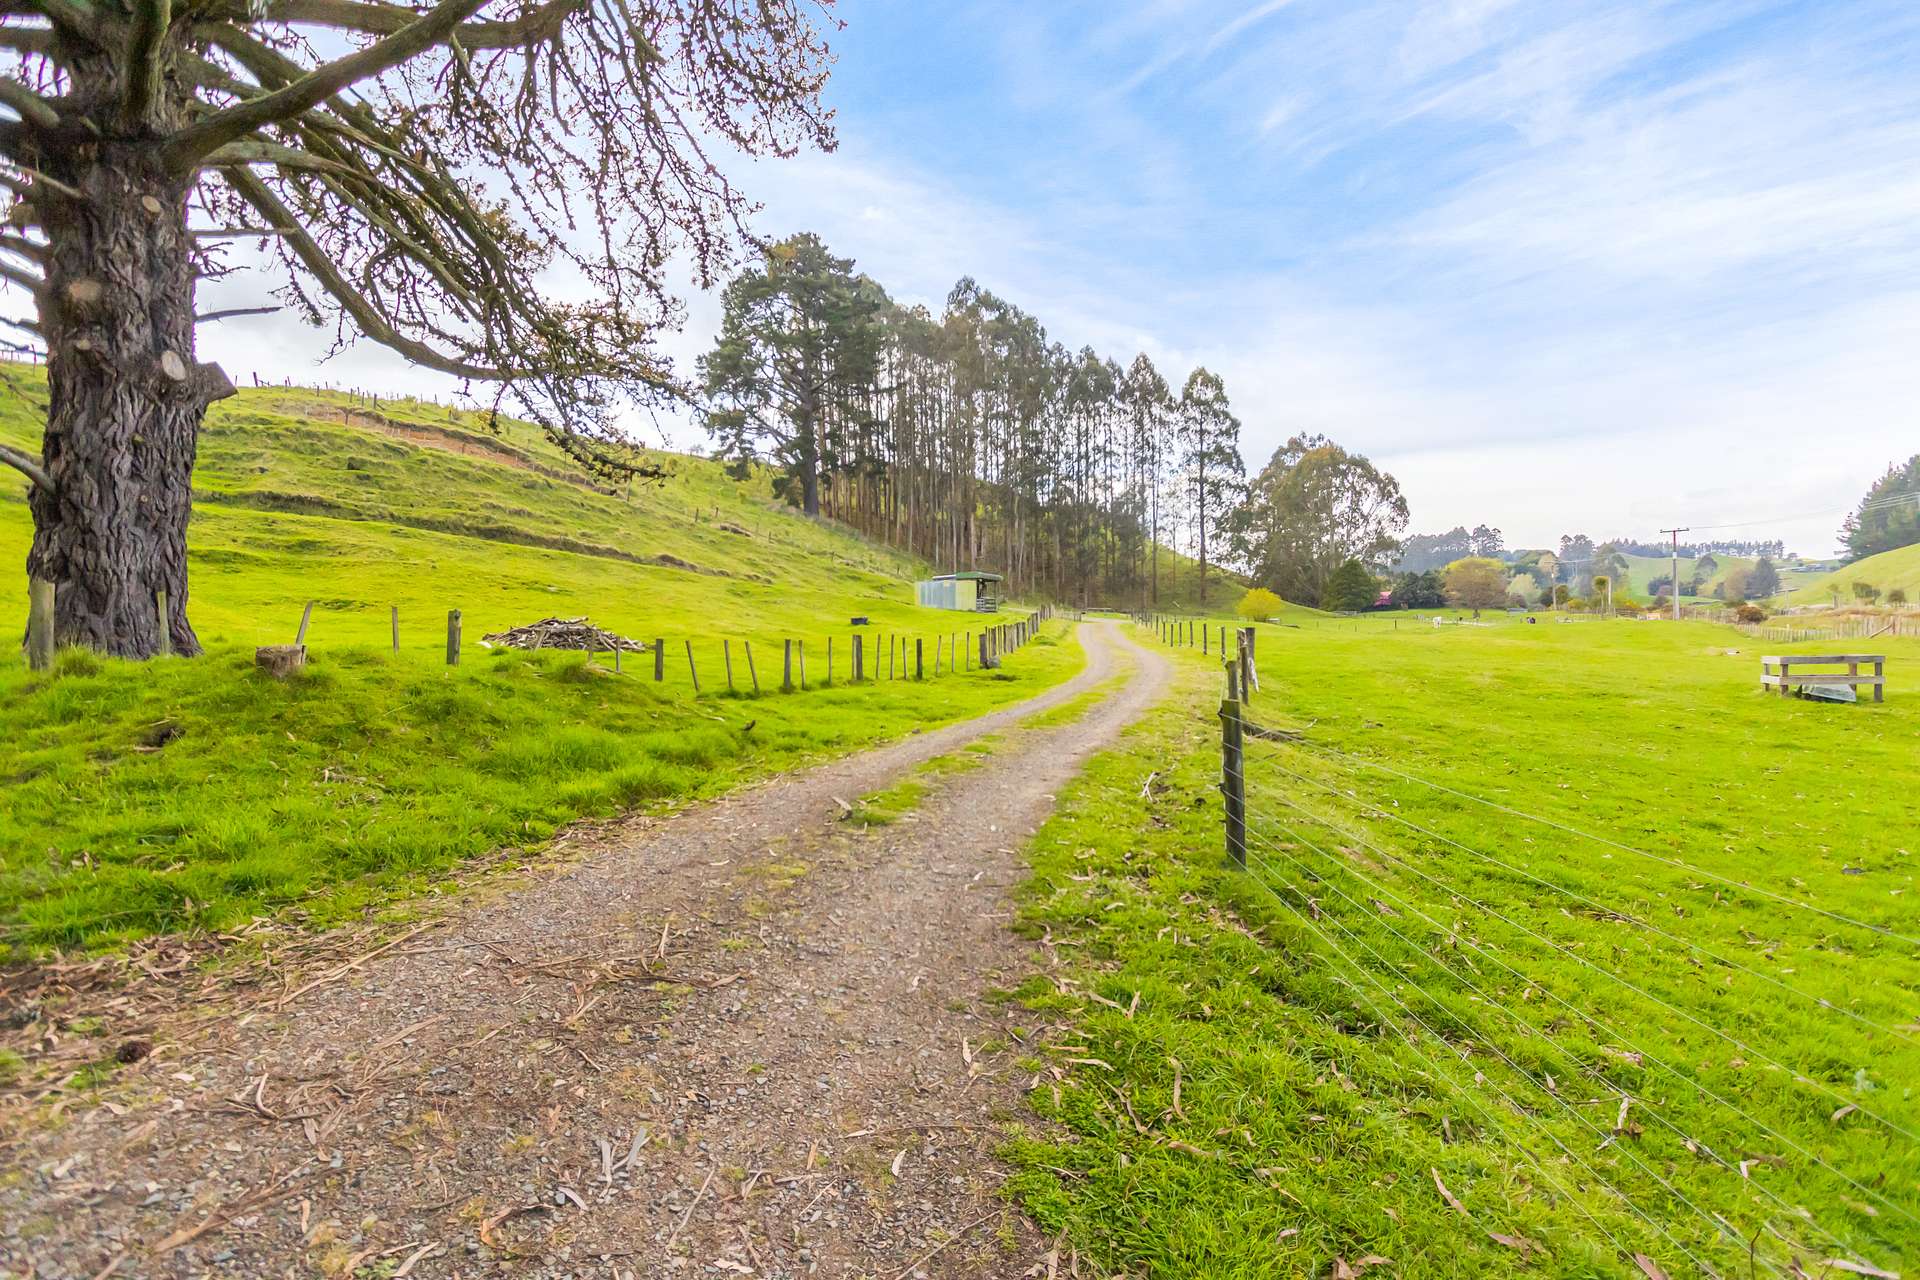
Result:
{"points": [[798, 350], [1210, 453]]}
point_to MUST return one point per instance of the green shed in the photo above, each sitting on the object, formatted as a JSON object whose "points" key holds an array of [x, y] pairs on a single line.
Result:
{"points": [[967, 592]]}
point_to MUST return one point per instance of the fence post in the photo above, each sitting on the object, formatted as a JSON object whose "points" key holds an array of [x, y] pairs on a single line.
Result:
{"points": [[306, 616], [919, 671], [1233, 781], [786, 668], [858, 670], [40, 623], [166, 623], [751, 673], [692, 670], [659, 659], [726, 653], [803, 664], [453, 637], [395, 611]]}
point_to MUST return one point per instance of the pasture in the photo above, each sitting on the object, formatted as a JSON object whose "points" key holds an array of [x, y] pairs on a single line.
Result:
{"points": [[1559, 948]]}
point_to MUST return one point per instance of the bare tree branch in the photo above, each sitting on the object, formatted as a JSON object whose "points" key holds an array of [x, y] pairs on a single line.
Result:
{"points": [[75, 17], [33, 284], [214, 317], [364, 313], [145, 42], [26, 466], [385, 19], [30, 106], [186, 148]]}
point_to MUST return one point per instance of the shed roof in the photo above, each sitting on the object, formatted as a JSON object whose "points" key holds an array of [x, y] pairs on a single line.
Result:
{"points": [[970, 574]]}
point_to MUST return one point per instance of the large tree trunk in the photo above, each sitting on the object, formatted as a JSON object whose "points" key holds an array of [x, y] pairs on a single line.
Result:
{"points": [[126, 402]]}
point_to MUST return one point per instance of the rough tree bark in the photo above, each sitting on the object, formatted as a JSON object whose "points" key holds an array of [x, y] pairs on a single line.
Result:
{"points": [[126, 397]]}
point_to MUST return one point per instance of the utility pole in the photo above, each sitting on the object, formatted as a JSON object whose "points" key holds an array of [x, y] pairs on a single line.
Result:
{"points": [[1674, 578]]}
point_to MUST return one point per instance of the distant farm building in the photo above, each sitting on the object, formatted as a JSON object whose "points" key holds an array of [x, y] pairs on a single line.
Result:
{"points": [[967, 592]]}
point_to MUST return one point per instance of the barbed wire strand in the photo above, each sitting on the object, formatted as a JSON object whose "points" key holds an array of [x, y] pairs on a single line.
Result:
{"points": [[1556, 825], [1650, 927], [1462, 1091], [1610, 1032], [1735, 1041], [1718, 1227]]}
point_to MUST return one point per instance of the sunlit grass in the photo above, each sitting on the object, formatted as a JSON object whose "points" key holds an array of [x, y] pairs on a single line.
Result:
{"points": [[1316, 1109]]}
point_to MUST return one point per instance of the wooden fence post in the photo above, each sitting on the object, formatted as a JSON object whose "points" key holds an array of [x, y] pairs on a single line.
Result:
{"points": [[803, 663], [39, 623], [751, 673], [616, 659], [969, 650], [395, 611], [453, 637], [919, 672], [858, 669], [890, 648], [166, 623], [306, 616], [659, 659], [726, 653], [692, 670], [786, 667], [1233, 782]]}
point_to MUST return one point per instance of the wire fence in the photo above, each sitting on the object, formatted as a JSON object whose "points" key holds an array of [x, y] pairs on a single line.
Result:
{"points": [[1686, 1098]]}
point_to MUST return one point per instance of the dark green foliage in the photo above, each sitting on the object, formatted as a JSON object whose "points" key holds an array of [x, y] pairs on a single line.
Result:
{"points": [[1888, 516], [1351, 589], [795, 363], [1312, 508]]}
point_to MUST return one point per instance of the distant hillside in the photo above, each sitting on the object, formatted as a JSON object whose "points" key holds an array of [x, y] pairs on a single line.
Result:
{"points": [[1898, 569], [423, 507]]}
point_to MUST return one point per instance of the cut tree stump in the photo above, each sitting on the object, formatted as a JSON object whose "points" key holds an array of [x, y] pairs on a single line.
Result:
{"points": [[280, 660]]}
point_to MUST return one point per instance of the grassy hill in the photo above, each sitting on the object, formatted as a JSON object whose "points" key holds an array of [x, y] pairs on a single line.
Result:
{"points": [[195, 794], [1898, 569]]}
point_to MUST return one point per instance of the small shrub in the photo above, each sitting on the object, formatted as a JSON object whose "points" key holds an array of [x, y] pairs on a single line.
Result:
{"points": [[1750, 613], [1258, 605], [1897, 596]]}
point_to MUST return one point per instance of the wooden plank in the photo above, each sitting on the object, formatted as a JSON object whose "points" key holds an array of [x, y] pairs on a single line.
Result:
{"points": [[1804, 659], [40, 600], [1817, 677]]}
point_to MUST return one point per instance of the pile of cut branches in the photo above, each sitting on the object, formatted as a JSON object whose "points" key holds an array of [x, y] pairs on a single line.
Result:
{"points": [[563, 633]]}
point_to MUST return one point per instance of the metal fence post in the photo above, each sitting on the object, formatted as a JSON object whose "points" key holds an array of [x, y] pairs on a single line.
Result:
{"points": [[1233, 782]]}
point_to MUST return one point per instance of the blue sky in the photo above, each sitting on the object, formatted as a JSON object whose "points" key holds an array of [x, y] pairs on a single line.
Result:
{"points": [[1571, 266]]}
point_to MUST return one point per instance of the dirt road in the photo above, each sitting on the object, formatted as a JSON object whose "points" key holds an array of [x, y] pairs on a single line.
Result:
{"points": [[751, 1039]]}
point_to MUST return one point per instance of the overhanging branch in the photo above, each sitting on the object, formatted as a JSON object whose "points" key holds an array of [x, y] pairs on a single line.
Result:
{"points": [[385, 19], [30, 106], [186, 148], [256, 193], [26, 466]]}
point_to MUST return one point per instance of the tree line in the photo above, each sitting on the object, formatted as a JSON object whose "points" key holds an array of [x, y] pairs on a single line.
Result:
{"points": [[971, 438]]}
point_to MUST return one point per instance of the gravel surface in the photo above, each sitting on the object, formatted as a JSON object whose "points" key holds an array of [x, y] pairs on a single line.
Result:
{"points": [[749, 1039]]}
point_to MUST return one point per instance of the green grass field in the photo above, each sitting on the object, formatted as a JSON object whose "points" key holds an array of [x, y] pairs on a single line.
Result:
{"points": [[193, 795], [1678, 1018], [1898, 569]]}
